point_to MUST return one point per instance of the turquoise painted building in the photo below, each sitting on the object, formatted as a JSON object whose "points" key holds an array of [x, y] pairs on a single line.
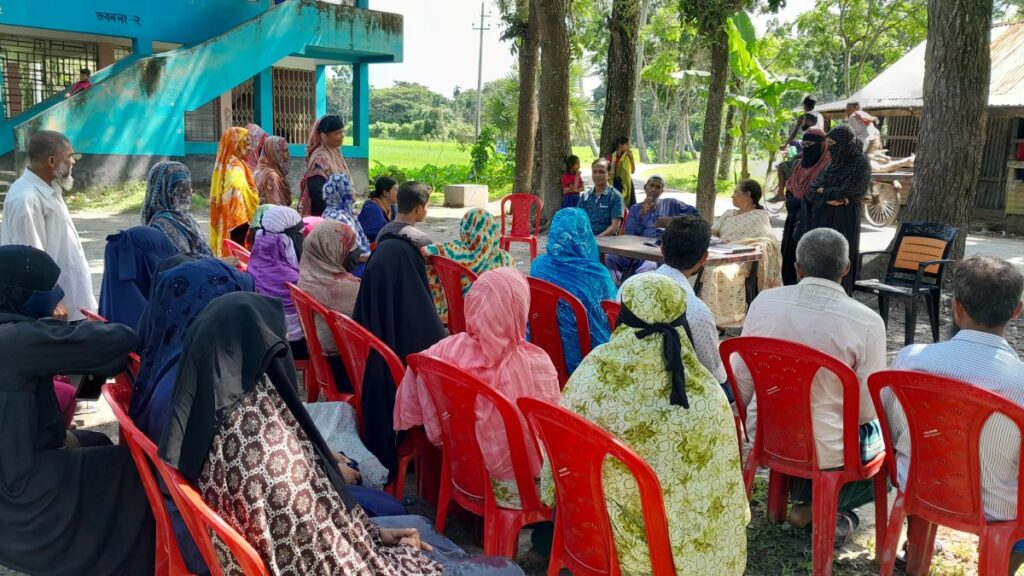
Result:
{"points": [[169, 77]]}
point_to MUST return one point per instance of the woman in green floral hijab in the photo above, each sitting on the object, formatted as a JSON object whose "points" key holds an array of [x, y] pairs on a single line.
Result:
{"points": [[476, 248], [647, 387]]}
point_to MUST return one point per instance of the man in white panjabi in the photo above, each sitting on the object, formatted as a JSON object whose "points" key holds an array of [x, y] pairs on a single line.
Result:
{"points": [[35, 215]]}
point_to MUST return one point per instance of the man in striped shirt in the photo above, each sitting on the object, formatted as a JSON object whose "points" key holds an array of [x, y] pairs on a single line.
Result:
{"points": [[986, 297]]}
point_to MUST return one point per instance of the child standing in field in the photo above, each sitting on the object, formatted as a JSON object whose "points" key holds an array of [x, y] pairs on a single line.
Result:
{"points": [[572, 182]]}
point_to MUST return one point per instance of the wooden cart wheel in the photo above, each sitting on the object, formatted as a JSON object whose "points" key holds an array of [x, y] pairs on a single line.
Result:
{"points": [[882, 205]]}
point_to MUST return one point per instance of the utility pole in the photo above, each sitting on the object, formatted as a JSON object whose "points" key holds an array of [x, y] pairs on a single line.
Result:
{"points": [[480, 68]]}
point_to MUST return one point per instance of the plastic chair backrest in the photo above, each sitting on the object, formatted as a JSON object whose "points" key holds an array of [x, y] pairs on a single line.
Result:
{"points": [[544, 330], [199, 518], [354, 346], [918, 242], [238, 251], [168, 556], [611, 311], [94, 316], [456, 393], [625, 217], [577, 451], [519, 206], [945, 418], [455, 279], [783, 373], [308, 308]]}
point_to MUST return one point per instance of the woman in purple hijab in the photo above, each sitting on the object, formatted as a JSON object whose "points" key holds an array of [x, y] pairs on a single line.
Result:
{"points": [[274, 263]]}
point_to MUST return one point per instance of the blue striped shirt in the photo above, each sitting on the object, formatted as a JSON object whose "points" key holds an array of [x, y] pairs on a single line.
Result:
{"points": [[988, 362]]}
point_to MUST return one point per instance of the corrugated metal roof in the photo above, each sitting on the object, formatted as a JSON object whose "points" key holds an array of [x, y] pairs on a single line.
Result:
{"points": [[901, 85]]}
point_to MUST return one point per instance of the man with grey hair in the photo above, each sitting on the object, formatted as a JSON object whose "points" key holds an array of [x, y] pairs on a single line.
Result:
{"points": [[647, 218], [35, 215], [986, 298], [817, 312]]}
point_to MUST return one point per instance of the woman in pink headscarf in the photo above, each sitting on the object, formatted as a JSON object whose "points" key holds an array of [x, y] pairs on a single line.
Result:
{"points": [[323, 160], [494, 348], [254, 141], [272, 171]]}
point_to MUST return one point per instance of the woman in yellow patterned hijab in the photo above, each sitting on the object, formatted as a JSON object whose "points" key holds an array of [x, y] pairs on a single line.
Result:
{"points": [[233, 195], [647, 387]]}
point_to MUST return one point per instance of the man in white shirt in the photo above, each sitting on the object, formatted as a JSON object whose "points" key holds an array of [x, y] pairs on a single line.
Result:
{"points": [[818, 313], [35, 215], [986, 297], [684, 244]]}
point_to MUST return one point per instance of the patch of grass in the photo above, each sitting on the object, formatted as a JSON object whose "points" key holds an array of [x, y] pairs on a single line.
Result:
{"points": [[417, 153], [122, 199], [683, 176]]}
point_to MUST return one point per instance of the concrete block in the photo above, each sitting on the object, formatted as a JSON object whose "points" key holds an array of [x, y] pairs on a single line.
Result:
{"points": [[465, 195]]}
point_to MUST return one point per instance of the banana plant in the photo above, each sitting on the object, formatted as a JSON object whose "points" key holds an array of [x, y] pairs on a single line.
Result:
{"points": [[763, 118]]}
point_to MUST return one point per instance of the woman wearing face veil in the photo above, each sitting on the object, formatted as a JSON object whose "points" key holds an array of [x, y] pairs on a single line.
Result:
{"points": [[814, 158], [69, 504]]}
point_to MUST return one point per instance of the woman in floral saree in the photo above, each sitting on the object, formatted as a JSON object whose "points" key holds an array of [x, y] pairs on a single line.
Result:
{"points": [[725, 286], [233, 195], [647, 387]]}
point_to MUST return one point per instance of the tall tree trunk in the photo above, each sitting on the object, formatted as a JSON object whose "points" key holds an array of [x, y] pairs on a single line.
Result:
{"points": [[526, 127], [663, 135], [554, 100], [713, 123], [621, 72], [591, 141], [638, 119], [537, 183], [677, 141], [957, 67], [725, 162]]}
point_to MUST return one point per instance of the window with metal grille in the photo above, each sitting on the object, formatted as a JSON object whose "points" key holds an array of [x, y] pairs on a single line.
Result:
{"points": [[121, 52], [203, 124], [294, 103], [34, 69], [243, 101]]}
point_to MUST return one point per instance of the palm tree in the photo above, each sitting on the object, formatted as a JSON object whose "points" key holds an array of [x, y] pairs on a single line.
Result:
{"points": [[501, 108]]}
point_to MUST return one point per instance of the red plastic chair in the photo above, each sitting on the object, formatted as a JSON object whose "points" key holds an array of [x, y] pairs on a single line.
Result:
{"points": [[577, 450], [544, 331], [238, 251], [520, 230], [452, 275], [94, 316], [611, 311], [168, 557], [199, 518], [318, 375], [944, 419], [355, 344], [625, 217], [464, 477], [783, 373]]}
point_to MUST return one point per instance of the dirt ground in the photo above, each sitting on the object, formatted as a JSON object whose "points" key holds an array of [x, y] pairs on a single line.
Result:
{"points": [[772, 549]]}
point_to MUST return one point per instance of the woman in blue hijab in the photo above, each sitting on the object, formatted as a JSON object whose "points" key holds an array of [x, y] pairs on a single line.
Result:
{"points": [[573, 263], [130, 263]]}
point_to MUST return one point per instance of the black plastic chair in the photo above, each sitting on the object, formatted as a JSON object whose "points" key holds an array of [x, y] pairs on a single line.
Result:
{"points": [[915, 269]]}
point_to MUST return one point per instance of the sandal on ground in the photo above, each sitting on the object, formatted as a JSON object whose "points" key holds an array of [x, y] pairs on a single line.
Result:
{"points": [[800, 516], [846, 525]]}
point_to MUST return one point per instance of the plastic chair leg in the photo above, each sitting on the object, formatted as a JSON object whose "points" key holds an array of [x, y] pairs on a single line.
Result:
{"points": [[739, 433], [887, 555], [749, 469], [533, 248], [778, 496], [555, 563], [443, 499], [920, 546], [824, 507], [883, 309], [994, 550], [312, 386], [881, 511], [501, 533], [931, 300]]}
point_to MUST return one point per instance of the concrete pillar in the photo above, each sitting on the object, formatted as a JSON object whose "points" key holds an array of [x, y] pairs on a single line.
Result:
{"points": [[142, 47], [361, 107], [104, 54], [263, 99], [225, 111], [321, 90]]}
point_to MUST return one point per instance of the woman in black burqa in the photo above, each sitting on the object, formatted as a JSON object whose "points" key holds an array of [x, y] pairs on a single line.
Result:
{"points": [[70, 503], [394, 303], [834, 199]]}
